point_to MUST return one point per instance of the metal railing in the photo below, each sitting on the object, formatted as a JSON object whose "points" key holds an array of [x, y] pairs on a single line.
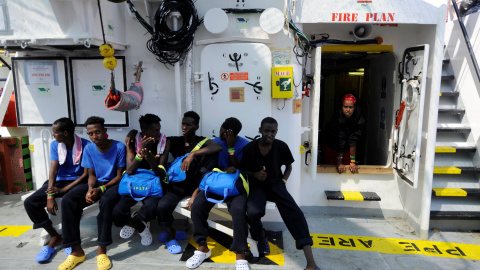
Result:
{"points": [[467, 39]]}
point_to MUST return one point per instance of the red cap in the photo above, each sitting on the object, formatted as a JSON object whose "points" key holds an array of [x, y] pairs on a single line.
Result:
{"points": [[349, 97]]}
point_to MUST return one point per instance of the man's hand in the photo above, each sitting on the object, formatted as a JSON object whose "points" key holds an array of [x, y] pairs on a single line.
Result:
{"points": [[93, 195], [230, 138], [52, 207], [261, 175], [341, 168], [186, 162], [130, 139], [148, 156], [52, 190], [190, 202], [147, 142], [231, 170], [353, 168]]}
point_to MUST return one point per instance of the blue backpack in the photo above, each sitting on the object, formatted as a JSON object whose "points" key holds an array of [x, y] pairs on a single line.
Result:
{"points": [[144, 183], [223, 184], [174, 173]]}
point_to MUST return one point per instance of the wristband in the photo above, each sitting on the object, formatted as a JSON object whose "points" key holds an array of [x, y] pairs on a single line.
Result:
{"points": [[138, 157], [103, 188], [352, 164], [352, 157], [231, 149], [50, 198], [339, 157], [50, 195], [284, 181]]}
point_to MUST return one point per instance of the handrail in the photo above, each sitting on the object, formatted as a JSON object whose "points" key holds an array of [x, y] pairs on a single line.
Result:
{"points": [[467, 39]]}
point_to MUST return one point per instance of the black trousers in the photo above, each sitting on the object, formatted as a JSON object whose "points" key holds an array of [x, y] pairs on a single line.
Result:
{"points": [[121, 211], [105, 218], [167, 204], [291, 214], [72, 209], [236, 207], [35, 204]]}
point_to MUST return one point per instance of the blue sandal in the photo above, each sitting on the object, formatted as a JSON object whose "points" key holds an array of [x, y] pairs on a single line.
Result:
{"points": [[44, 254], [179, 235], [263, 246], [173, 247]]}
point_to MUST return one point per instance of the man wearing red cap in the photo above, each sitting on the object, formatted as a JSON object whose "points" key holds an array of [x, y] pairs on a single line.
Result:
{"points": [[342, 134]]}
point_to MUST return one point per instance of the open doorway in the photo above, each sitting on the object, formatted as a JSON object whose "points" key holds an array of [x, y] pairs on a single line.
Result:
{"points": [[369, 74]]}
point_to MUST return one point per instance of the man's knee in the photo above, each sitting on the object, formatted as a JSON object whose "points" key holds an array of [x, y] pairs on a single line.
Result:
{"points": [[255, 213]]}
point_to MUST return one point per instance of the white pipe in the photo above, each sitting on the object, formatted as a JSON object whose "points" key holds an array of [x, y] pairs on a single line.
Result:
{"points": [[5, 98], [178, 93], [314, 114], [46, 150], [188, 81]]}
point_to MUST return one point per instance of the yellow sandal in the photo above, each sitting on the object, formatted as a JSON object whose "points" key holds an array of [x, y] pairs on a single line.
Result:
{"points": [[71, 262], [103, 262]]}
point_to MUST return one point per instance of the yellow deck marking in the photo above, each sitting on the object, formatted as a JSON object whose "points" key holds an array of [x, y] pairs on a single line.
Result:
{"points": [[397, 246], [221, 254], [447, 170], [450, 192], [352, 196], [445, 149], [13, 230], [440, 94]]}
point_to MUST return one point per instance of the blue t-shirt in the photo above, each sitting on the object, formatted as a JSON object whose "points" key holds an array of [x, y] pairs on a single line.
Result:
{"points": [[67, 171], [104, 164], [223, 160]]}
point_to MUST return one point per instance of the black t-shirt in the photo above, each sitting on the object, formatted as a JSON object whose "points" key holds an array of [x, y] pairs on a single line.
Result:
{"points": [[178, 149], [177, 145], [253, 160]]}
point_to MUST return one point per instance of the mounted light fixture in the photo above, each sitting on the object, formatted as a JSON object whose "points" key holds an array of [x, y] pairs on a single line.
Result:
{"points": [[358, 72]]}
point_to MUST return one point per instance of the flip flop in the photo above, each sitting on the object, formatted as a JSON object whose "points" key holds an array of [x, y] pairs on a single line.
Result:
{"points": [[179, 235], [241, 265], [127, 232], [68, 251], [173, 247], [197, 259], [103, 262], [146, 235], [71, 262], [44, 254]]}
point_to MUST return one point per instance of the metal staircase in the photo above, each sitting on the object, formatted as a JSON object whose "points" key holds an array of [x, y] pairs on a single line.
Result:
{"points": [[456, 190]]}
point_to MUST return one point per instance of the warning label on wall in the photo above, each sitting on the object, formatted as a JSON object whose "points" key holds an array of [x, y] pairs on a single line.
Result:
{"points": [[239, 76]]}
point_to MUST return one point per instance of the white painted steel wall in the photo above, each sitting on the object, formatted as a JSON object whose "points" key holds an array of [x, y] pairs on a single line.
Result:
{"points": [[60, 22]]}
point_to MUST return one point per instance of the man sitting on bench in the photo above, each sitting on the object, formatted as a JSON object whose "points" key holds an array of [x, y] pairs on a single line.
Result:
{"points": [[262, 161], [65, 174], [228, 160], [145, 150], [176, 191], [105, 161]]}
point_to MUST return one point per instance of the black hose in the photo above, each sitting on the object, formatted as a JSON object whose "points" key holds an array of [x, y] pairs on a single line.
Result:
{"points": [[167, 45]]}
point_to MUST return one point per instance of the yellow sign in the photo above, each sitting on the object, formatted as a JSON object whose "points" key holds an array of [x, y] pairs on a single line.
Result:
{"points": [[397, 246], [13, 231]]}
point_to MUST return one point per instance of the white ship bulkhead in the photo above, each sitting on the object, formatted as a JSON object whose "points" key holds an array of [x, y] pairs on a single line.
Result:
{"points": [[402, 180]]}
